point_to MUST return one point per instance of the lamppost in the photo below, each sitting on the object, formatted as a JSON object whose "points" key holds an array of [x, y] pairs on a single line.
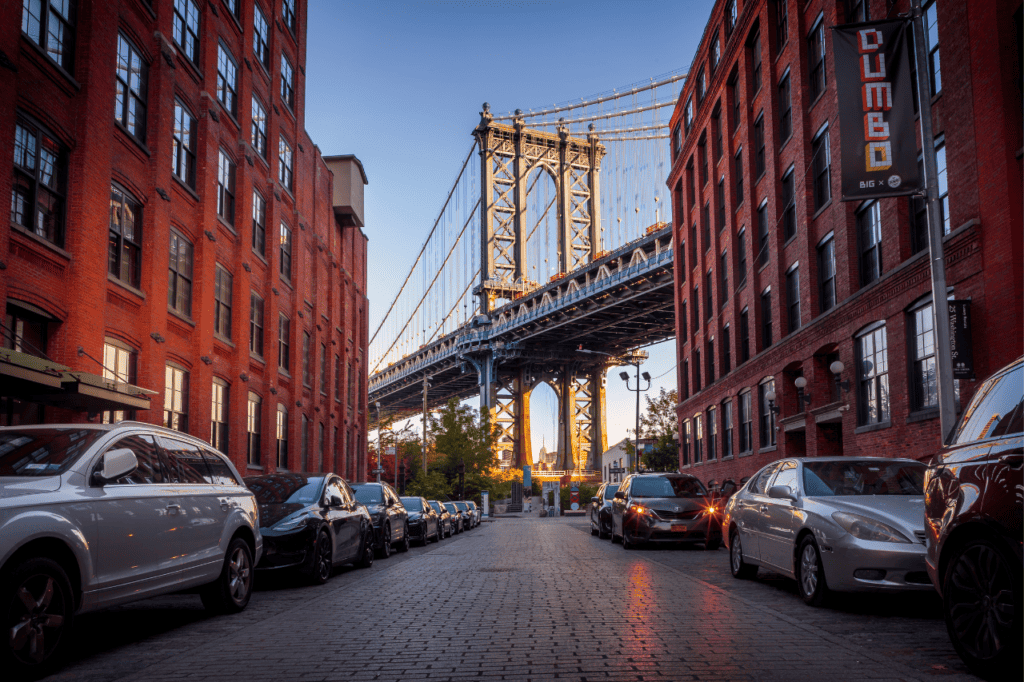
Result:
{"points": [[426, 385], [647, 377], [378, 441], [837, 368]]}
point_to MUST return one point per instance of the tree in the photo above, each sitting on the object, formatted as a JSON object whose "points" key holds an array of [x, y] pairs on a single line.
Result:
{"points": [[432, 485], [660, 416], [664, 456], [461, 437]]}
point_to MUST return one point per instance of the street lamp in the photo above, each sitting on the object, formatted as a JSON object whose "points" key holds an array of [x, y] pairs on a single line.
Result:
{"points": [[378, 441], [837, 368], [647, 377], [801, 397]]}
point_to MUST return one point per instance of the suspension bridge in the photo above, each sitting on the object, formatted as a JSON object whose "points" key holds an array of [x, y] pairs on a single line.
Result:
{"points": [[549, 262]]}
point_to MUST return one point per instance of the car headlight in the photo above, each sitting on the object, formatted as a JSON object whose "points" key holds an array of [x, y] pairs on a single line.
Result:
{"points": [[640, 509], [291, 523], [864, 528]]}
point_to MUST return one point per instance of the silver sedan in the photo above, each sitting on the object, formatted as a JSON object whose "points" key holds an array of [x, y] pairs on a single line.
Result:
{"points": [[832, 523]]}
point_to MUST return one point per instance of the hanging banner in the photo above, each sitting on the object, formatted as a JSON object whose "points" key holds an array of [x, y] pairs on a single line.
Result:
{"points": [[878, 141], [960, 339]]}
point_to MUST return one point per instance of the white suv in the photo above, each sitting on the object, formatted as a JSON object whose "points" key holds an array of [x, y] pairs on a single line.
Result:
{"points": [[97, 515]]}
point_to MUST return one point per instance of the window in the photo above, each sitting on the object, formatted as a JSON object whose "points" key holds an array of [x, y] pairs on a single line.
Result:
{"points": [[726, 428], [696, 369], [744, 335], [688, 114], [767, 417], [677, 141], [766, 317], [746, 436], [856, 11], [255, 324], [723, 278], [186, 28], [222, 293], [307, 375], [734, 93], [323, 369], [125, 252], [259, 128], [716, 53], [816, 58], [119, 365], [227, 80], [730, 17], [738, 176], [320, 445], [700, 85], [741, 251], [785, 109], [284, 356], [50, 24], [702, 149], [284, 169], [337, 378], [689, 181], [176, 398], [179, 277], [919, 217], [709, 361], [219, 415], [782, 22], [716, 131], [793, 298], [682, 319], [261, 38], [931, 36], [869, 236], [712, 434], [183, 153], [37, 192], [282, 436], [726, 351], [759, 166], [698, 438], [709, 302], [788, 205], [686, 442], [995, 410], [253, 428], [762, 234], [287, 83], [695, 299], [755, 59], [304, 447], [693, 244], [705, 218], [259, 229], [873, 376], [286, 252], [821, 162], [288, 14], [130, 97], [940, 163], [226, 188], [685, 378], [721, 204], [827, 273], [235, 7], [924, 386]]}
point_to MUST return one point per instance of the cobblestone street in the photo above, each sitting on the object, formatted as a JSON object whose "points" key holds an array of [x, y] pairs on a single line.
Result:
{"points": [[523, 599]]}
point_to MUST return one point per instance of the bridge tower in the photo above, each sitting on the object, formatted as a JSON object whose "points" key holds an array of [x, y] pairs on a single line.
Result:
{"points": [[508, 153]]}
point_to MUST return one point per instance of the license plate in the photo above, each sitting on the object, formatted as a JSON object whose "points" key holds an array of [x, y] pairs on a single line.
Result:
{"points": [[678, 528]]}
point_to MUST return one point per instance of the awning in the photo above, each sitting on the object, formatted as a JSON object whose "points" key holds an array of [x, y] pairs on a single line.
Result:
{"points": [[93, 393], [21, 373]]}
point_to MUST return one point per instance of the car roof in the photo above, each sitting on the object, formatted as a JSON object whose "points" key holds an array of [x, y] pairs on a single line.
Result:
{"points": [[116, 426], [840, 460]]}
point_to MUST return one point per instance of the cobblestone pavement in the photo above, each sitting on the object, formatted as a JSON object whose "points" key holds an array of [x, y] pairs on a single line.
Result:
{"points": [[523, 599]]}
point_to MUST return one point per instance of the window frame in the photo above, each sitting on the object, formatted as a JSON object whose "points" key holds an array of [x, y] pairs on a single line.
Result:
{"points": [[822, 188], [220, 403], [727, 428], [281, 430], [183, 154], [817, 75], [287, 91], [119, 244], [285, 252], [785, 108], [223, 297], [256, 323], [227, 83], [259, 224], [766, 418], [869, 242], [182, 29], [258, 133], [32, 184], [871, 382], [285, 161], [920, 355], [253, 429], [176, 394], [179, 282], [760, 167], [767, 337], [284, 348], [789, 204], [261, 38], [132, 119], [227, 171], [793, 298], [62, 54], [746, 426], [827, 283]]}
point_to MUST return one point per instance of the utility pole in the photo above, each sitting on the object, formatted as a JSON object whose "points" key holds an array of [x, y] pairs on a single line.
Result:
{"points": [[426, 385], [378, 441], [940, 309], [636, 447]]}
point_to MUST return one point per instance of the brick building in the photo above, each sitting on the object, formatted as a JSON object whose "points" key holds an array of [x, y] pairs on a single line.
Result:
{"points": [[776, 278], [159, 146]]}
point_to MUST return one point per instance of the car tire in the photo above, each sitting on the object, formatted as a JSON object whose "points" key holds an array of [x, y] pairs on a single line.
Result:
{"points": [[593, 529], [319, 571], [737, 566], [626, 544], [981, 602], [366, 552], [810, 573], [231, 591], [602, 532], [385, 544], [403, 546], [48, 623]]}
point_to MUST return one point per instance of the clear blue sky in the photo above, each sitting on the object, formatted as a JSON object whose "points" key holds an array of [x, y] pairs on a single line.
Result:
{"points": [[400, 85]]}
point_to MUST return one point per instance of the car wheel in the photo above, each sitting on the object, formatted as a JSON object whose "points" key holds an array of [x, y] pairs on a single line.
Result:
{"points": [[810, 574], [603, 531], [740, 568], [404, 545], [626, 544], [593, 528], [231, 591], [366, 551], [982, 605], [319, 571], [38, 607], [385, 545]]}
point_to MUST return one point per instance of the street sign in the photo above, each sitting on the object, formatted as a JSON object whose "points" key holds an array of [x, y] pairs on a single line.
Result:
{"points": [[389, 450], [616, 470], [960, 339]]}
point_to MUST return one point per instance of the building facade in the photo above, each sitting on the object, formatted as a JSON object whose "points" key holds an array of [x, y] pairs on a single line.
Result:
{"points": [[777, 279], [175, 236]]}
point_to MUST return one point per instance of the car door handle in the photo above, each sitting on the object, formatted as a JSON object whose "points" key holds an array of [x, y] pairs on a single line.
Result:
{"points": [[1013, 459], [174, 508], [224, 505], [764, 508]]}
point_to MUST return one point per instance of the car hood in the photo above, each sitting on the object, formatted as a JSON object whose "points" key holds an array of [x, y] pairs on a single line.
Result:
{"points": [[272, 514], [904, 512], [670, 503], [21, 486]]}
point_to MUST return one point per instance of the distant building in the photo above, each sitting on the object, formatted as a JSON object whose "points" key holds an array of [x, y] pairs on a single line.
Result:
{"points": [[617, 457]]}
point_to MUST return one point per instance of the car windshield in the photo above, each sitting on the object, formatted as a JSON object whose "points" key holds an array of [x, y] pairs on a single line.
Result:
{"points": [[610, 491], [825, 479], [413, 504], [451, 508], [285, 488], [436, 506], [461, 506], [43, 451], [369, 494], [667, 486]]}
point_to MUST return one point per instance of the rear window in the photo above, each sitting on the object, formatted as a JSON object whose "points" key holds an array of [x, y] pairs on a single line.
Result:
{"points": [[370, 494], [461, 506], [413, 504], [436, 506], [285, 488], [996, 410], [827, 479], [451, 508], [610, 491], [43, 451]]}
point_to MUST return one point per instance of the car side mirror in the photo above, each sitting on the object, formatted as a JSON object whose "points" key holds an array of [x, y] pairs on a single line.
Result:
{"points": [[619, 495], [781, 492], [335, 501], [116, 463], [594, 500]]}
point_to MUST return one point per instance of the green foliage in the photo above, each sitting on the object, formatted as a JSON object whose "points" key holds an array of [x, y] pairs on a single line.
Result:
{"points": [[586, 492], [664, 456], [660, 416], [431, 485], [460, 436]]}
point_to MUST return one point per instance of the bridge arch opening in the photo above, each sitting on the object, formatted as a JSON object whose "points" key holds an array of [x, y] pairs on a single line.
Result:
{"points": [[543, 427], [541, 225]]}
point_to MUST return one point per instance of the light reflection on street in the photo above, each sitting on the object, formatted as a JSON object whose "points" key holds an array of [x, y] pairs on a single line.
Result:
{"points": [[642, 610]]}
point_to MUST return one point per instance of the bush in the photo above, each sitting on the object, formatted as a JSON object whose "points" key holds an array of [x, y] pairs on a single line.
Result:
{"points": [[586, 492]]}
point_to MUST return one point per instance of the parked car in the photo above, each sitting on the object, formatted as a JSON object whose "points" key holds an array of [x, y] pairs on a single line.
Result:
{"points": [[832, 523], [95, 515], [444, 519], [600, 510], [475, 511], [664, 507], [423, 520], [311, 523], [458, 520], [467, 516], [390, 520], [973, 514]]}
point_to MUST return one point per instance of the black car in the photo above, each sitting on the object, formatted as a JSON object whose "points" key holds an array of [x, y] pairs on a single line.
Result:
{"points": [[973, 527], [665, 507], [600, 510], [311, 523], [390, 520], [423, 521], [444, 518], [457, 518], [468, 520]]}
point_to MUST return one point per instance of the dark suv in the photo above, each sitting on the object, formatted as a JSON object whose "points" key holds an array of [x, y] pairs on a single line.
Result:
{"points": [[390, 519], [973, 524]]}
